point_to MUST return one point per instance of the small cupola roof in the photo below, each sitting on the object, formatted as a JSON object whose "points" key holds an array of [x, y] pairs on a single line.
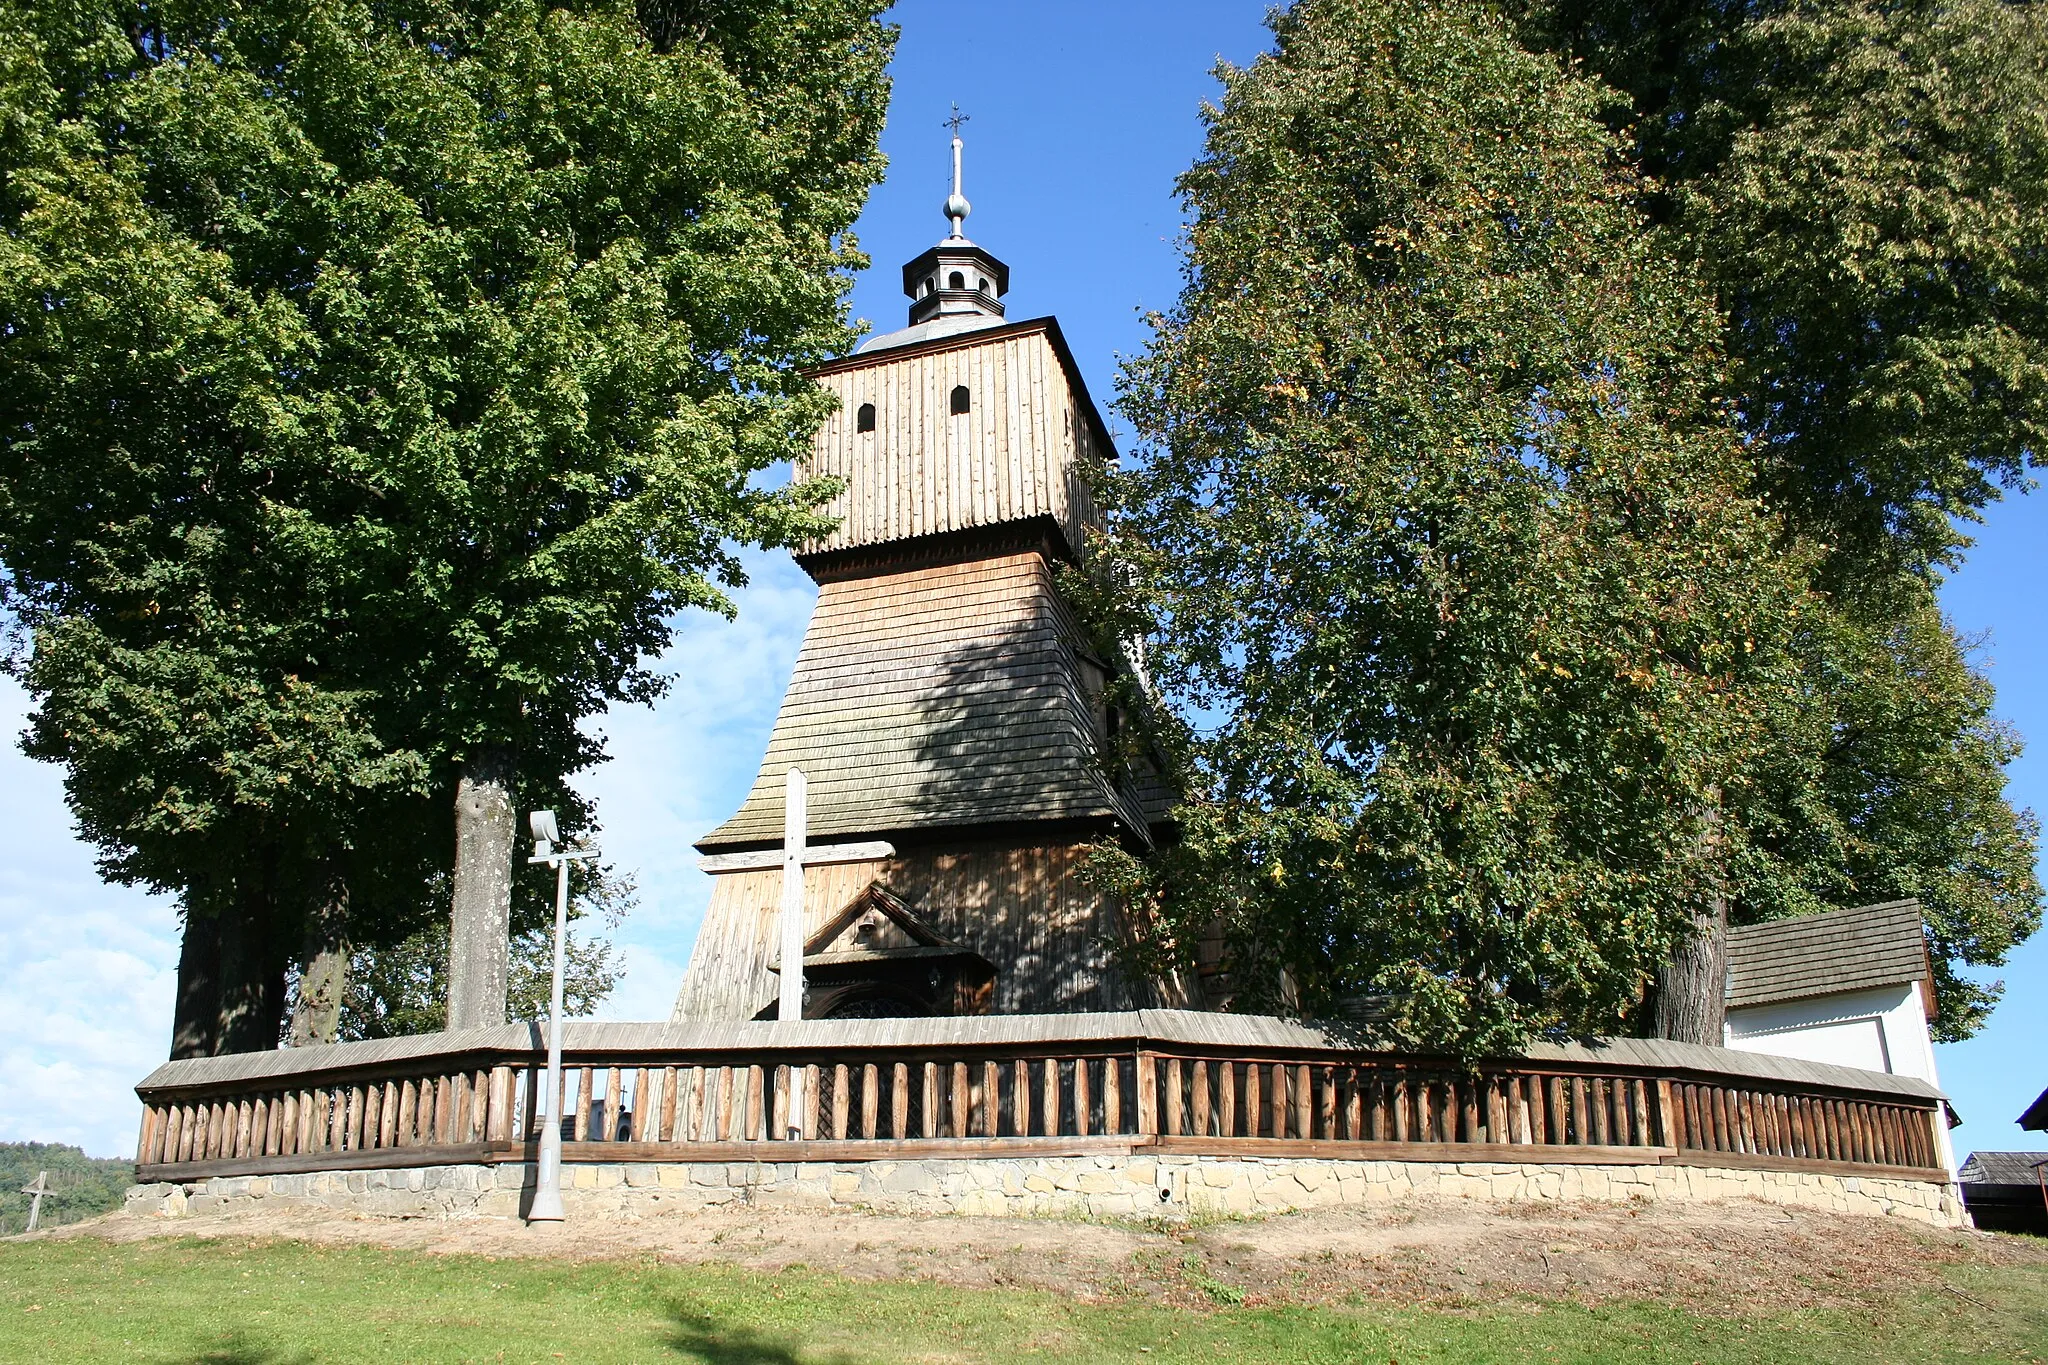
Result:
{"points": [[956, 278]]}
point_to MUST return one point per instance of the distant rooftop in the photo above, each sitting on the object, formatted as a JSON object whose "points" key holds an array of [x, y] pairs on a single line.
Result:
{"points": [[2002, 1168]]}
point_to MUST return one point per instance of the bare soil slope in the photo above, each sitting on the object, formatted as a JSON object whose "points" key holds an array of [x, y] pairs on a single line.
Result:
{"points": [[1722, 1258]]}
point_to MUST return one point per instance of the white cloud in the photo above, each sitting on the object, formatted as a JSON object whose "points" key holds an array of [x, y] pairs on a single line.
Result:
{"points": [[87, 971], [679, 769]]}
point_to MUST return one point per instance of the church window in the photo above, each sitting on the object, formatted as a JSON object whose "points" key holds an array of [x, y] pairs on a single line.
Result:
{"points": [[956, 280], [864, 420], [984, 286], [962, 400]]}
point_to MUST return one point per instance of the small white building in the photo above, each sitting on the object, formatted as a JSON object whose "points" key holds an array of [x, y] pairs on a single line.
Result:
{"points": [[1852, 987]]}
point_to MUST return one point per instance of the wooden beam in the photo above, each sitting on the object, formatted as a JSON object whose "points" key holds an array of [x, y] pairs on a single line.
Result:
{"points": [[1745, 1161], [819, 855], [1490, 1152]]}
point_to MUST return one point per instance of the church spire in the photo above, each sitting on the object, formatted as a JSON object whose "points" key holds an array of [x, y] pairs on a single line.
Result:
{"points": [[955, 279], [957, 207]]}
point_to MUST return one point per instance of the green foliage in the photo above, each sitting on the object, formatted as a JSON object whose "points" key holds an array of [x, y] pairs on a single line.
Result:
{"points": [[80, 1186], [380, 381], [1444, 541], [1864, 187], [403, 989], [1911, 794]]}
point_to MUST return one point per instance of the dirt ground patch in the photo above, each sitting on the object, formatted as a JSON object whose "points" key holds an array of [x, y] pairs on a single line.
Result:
{"points": [[1731, 1258]]}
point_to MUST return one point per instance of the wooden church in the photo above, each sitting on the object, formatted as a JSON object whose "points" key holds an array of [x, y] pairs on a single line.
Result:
{"points": [[946, 707]]}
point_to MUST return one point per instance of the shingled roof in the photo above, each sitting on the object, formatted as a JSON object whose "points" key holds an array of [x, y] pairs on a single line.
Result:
{"points": [[2003, 1168], [940, 697], [1827, 953]]}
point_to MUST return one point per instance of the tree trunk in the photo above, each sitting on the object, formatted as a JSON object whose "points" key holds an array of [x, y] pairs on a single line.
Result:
{"points": [[1692, 988], [323, 972], [252, 967], [480, 927], [195, 1020]]}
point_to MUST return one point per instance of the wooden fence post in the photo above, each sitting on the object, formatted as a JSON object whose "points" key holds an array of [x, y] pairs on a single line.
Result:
{"points": [[1148, 1095]]}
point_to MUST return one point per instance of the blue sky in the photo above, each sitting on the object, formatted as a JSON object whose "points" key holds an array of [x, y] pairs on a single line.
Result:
{"points": [[1080, 117]]}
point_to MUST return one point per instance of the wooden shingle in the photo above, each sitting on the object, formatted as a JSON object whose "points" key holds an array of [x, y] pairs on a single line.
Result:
{"points": [[1861, 948], [935, 698]]}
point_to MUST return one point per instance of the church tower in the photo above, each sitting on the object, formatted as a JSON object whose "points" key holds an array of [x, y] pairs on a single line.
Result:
{"points": [[945, 702]]}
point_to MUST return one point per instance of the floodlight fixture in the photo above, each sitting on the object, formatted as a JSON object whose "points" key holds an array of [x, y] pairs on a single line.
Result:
{"points": [[546, 834]]}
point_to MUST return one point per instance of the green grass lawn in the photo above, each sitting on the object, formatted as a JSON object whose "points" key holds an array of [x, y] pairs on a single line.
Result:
{"points": [[82, 1299]]}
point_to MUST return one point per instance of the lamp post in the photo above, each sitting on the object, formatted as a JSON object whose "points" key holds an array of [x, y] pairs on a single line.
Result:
{"points": [[547, 1191]]}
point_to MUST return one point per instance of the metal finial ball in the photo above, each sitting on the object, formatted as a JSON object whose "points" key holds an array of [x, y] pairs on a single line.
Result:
{"points": [[957, 206]]}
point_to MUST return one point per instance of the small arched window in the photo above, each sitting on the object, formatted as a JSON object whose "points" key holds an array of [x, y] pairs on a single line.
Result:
{"points": [[984, 286], [864, 420], [956, 280], [962, 400]]}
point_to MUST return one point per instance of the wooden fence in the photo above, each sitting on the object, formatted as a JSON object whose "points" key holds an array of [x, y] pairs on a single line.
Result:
{"points": [[650, 1101]]}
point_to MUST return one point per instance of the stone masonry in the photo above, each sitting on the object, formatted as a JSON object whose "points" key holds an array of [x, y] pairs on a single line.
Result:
{"points": [[1086, 1186]]}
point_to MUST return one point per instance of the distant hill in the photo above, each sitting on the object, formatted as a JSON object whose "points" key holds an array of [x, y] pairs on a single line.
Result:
{"points": [[80, 1185]]}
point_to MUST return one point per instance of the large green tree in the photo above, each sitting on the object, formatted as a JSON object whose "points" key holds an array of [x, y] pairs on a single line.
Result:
{"points": [[1444, 543], [379, 381], [1865, 187]]}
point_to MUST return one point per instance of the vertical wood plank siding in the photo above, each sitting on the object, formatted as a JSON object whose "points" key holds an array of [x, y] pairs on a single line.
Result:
{"points": [[924, 471], [1017, 906]]}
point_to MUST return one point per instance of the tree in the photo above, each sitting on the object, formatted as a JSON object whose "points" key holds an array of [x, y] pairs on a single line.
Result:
{"points": [[1443, 543], [80, 1186], [1898, 790], [1864, 187], [403, 989], [192, 776], [392, 375]]}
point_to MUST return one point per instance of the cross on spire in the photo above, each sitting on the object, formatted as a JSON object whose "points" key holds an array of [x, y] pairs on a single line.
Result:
{"points": [[957, 206]]}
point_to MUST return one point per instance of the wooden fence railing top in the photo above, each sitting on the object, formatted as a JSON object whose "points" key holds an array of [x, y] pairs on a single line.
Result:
{"points": [[1238, 1035]]}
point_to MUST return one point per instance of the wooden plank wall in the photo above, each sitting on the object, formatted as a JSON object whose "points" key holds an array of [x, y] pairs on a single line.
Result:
{"points": [[1025, 908], [728, 976], [922, 471]]}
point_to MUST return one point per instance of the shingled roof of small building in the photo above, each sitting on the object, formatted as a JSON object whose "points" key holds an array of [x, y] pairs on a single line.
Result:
{"points": [[1828, 953], [2003, 1168]]}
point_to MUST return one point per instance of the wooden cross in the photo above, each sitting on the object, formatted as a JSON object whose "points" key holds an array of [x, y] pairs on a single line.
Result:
{"points": [[796, 854], [793, 857], [36, 1191]]}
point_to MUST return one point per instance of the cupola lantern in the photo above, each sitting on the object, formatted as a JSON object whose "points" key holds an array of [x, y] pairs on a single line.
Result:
{"points": [[956, 278]]}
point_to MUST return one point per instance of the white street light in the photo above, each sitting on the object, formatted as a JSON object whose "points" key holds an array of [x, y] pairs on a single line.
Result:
{"points": [[547, 1193]]}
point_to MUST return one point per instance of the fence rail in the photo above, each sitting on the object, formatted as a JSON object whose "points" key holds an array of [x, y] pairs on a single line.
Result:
{"points": [[867, 1099]]}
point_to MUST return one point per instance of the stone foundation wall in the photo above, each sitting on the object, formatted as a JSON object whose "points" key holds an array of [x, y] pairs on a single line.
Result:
{"points": [[1101, 1186]]}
